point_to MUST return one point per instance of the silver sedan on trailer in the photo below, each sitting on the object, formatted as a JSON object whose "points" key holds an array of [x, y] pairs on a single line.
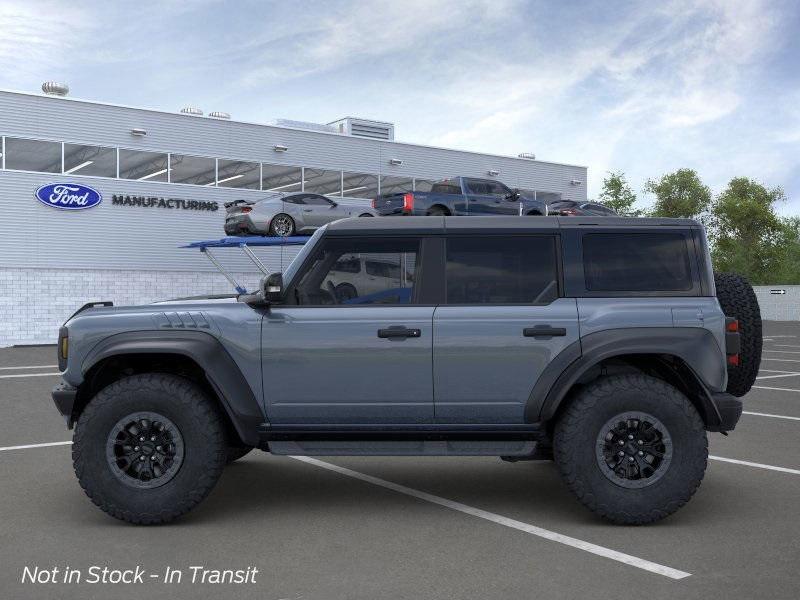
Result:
{"points": [[287, 214]]}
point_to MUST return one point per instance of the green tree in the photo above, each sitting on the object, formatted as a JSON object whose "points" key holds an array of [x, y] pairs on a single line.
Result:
{"points": [[679, 195], [787, 269], [747, 236], [618, 195]]}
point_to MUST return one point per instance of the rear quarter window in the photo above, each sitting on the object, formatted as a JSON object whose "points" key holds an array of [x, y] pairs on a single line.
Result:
{"points": [[637, 262]]}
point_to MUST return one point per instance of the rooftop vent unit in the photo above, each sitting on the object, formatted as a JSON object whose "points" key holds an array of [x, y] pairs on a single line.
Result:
{"points": [[53, 88], [527, 155], [192, 110], [303, 125], [219, 115], [376, 130]]}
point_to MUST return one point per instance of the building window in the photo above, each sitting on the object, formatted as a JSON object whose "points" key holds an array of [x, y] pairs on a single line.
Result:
{"points": [[423, 185], [359, 185], [33, 155], [238, 174], [396, 185], [280, 178], [324, 182], [143, 166], [196, 170], [90, 160]]}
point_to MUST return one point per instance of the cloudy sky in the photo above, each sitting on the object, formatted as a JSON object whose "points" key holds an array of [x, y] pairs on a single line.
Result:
{"points": [[642, 87]]}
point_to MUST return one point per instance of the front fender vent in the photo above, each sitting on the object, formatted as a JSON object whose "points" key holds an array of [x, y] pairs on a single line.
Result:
{"points": [[181, 320]]}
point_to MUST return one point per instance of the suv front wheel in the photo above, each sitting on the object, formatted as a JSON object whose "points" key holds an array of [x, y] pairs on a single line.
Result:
{"points": [[149, 448], [632, 448]]}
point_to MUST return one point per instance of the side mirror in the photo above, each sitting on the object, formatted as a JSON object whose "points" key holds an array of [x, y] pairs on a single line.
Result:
{"points": [[271, 288], [514, 195], [334, 204]]}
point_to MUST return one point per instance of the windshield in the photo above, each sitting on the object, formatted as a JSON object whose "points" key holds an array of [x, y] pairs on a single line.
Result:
{"points": [[298, 260]]}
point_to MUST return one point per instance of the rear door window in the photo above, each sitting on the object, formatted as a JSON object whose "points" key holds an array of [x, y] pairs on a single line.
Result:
{"points": [[446, 187], [636, 262], [502, 270]]}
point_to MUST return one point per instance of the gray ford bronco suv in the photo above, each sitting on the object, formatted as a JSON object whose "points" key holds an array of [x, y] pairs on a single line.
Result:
{"points": [[605, 344]]}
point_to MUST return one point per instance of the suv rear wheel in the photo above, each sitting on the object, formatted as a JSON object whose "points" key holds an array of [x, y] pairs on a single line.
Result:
{"points": [[632, 448], [149, 448]]}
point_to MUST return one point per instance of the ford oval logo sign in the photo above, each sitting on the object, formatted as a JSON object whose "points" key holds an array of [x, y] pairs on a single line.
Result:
{"points": [[68, 196]]}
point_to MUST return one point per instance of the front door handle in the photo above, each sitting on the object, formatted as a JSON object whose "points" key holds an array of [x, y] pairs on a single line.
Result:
{"points": [[398, 332], [307, 210], [544, 331]]}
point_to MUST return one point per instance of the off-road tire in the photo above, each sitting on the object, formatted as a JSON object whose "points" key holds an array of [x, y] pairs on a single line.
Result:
{"points": [[234, 453], [437, 211], [200, 425], [576, 439], [737, 299]]}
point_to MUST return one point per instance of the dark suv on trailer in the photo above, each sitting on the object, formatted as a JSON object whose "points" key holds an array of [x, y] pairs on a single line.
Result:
{"points": [[606, 342]]}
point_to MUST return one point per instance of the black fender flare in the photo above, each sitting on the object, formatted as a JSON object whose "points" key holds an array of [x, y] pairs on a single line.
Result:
{"points": [[695, 346], [222, 372]]}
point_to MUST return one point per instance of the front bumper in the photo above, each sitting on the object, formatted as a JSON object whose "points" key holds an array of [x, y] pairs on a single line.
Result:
{"points": [[64, 396], [729, 409]]}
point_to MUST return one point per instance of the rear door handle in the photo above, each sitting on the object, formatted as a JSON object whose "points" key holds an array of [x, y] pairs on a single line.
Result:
{"points": [[398, 332], [544, 331]]}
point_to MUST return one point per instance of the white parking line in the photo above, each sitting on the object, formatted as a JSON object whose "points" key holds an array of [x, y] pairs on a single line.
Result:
{"points": [[782, 336], [29, 375], [786, 346], [776, 376], [47, 445], [29, 367], [782, 351], [757, 465], [500, 520], [758, 414], [763, 358], [777, 389]]}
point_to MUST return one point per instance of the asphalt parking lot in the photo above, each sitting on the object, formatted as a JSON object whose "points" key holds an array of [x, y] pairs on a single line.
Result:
{"points": [[428, 528]]}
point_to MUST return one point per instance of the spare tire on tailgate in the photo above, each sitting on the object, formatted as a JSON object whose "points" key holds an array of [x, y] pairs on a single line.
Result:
{"points": [[738, 300]]}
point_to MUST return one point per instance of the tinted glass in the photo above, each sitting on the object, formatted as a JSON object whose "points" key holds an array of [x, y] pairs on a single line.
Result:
{"points": [[90, 160], [324, 182], [238, 174], [396, 185], [423, 185], [335, 276], [599, 209], [497, 189], [278, 178], [33, 155], [478, 187], [446, 187], [144, 166], [630, 262], [501, 270], [360, 185], [197, 170], [316, 200]]}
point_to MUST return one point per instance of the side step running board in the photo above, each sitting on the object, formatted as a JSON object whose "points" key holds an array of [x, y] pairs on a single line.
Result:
{"points": [[290, 432]]}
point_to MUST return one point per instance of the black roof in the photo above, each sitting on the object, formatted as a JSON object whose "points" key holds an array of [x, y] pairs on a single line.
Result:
{"points": [[510, 224]]}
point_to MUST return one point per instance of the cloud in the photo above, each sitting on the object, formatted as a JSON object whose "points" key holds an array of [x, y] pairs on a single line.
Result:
{"points": [[339, 34], [36, 36]]}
